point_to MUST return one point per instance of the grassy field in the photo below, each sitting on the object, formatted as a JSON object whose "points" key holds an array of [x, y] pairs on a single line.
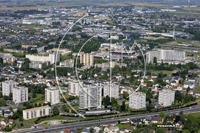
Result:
{"points": [[192, 9], [164, 72], [45, 124], [194, 114], [148, 4], [38, 99], [198, 88]]}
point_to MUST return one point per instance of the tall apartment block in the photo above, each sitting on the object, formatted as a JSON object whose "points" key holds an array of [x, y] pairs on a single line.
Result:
{"points": [[111, 91], [7, 87], [74, 87], [87, 58], [20, 94], [166, 97], [90, 96], [52, 95], [137, 100]]}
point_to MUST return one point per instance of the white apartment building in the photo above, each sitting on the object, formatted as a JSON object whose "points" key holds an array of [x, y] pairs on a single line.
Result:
{"points": [[74, 87], [87, 58], [90, 96], [111, 91], [52, 58], [166, 97], [20, 94], [167, 56], [36, 112], [137, 100], [52, 95], [7, 87]]}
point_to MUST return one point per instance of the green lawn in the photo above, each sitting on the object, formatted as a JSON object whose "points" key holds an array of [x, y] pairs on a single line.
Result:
{"points": [[198, 88], [40, 98], [163, 71], [124, 125], [194, 114]]}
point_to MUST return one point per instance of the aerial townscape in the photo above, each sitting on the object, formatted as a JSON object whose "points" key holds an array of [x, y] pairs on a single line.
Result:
{"points": [[100, 66]]}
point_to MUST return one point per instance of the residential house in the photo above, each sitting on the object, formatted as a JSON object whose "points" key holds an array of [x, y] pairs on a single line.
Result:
{"points": [[107, 128], [179, 125], [157, 120]]}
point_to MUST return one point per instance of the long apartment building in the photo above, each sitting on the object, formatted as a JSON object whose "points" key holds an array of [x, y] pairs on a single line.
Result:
{"points": [[167, 56], [52, 58], [166, 97], [90, 96], [52, 95], [36, 112], [20, 94], [87, 58], [7, 87], [137, 100]]}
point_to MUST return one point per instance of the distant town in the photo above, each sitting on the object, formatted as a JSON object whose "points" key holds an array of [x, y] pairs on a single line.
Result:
{"points": [[99, 66]]}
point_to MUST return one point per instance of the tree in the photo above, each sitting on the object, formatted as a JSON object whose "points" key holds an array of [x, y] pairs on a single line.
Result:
{"points": [[106, 101], [34, 95], [181, 112], [10, 96], [3, 112], [21, 124], [125, 95], [159, 130], [155, 60], [11, 109], [113, 101], [2, 102], [123, 106], [162, 114], [56, 111], [150, 107]]}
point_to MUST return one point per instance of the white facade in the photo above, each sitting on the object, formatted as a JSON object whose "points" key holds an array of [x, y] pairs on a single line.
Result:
{"points": [[111, 91], [36, 112], [7, 87], [52, 95], [90, 97], [20, 94], [137, 100], [165, 56], [74, 87], [52, 58], [67, 63], [166, 97], [87, 58]]}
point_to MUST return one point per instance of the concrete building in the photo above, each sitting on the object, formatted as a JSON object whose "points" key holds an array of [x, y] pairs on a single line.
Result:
{"points": [[87, 58], [137, 100], [20, 94], [67, 63], [7, 87], [167, 56], [52, 58], [38, 64], [166, 97], [52, 95], [90, 96], [112, 91], [74, 87], [36, 112], [7, 57]]}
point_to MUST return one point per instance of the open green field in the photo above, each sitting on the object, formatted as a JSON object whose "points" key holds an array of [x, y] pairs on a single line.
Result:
{"points": [[194, 114], [148, 4], [38, 99], [163, 71], [198, 88], [192, 9]]}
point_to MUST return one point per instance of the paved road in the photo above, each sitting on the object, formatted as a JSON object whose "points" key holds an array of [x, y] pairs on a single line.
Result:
{"points": [[105, 121]]}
